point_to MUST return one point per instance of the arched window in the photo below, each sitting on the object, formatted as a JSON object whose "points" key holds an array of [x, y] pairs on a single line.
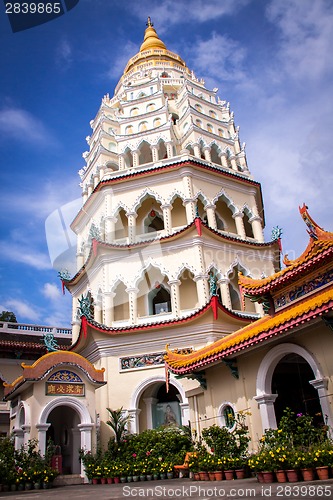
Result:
{"points": [[154, 222], [157, 122], [129, 129], [112, 147], [198, 123], [212, 113], [159, 300], [134, 112], [143, 126], [227, 416], [198, 107], [210, 128], [186, 127], [150, 107], [220, 132]]}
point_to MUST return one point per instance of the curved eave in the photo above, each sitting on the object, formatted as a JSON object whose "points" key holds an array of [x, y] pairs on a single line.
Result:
{"points": [[45, 364], [96, 244], [153, 170], [254, 334], [314, 260], [25, 347], [213, 305]]}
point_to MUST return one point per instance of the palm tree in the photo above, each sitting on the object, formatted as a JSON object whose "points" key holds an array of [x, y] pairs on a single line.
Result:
{"points": [[118, 422]]}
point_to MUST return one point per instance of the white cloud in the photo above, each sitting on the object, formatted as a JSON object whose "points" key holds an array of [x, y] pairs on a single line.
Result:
{"points": [[121, 58], [64, 53], [171, 12], [52, 291], [22, 309], [306, 37], [18, 124], [25, 255]]}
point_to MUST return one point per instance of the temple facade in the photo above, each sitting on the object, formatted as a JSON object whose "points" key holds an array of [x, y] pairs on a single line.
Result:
{"points": [[171, 218]]}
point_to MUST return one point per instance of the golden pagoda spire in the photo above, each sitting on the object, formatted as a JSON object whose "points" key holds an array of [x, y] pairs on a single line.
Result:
{"points": [[151, 38]]}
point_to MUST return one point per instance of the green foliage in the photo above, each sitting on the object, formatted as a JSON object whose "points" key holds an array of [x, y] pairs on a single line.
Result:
{"points": [[8, 317], [23, 465], [118, 423]]}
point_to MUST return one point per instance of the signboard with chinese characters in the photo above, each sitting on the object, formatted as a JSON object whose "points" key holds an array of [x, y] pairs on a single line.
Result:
{"points": [[61, 389]]}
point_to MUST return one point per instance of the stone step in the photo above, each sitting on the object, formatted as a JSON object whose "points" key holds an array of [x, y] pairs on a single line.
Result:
{"points": [[68, 479]]}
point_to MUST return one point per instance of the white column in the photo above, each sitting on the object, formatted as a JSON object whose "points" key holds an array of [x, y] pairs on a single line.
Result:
{"points": [[257, 228], [131, 226], [196, 150], [190, 210], [267, 411], [84, 195], [167, 218], [321, 385], [206, 151], [134, 422], [26, 431], [136, 155], [259, 308], [175, 299], [210, 211], [169, 148], [224, 161], [108, 307], [96, 179], [225, 292], [86, 443], [90, 189], [42, 428], [110, 224], [239, 224], [101, 170], [202, 288], [185, 413], [154, 150], [18, 437], [232, 159], [133, 309], [149, 402], [98, 311], [121, 161]]}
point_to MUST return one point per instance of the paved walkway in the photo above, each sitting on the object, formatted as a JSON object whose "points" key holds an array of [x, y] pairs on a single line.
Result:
{"points": [[183, 489]]}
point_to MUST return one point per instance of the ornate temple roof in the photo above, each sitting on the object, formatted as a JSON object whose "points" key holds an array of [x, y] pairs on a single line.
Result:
{"points": [[45, 364], [153, 50], [261, 330], [318, 250]]}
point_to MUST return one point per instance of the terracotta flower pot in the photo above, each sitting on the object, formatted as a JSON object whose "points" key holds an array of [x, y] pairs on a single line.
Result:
{"points": [[95, 480], [307, 474], [109, 480], [218, 475], [211, 476], [196, 476], [323, 472], [292, 475], [268, 476], [240, 473], [229, 474], [204, 476], [116, 480], [281, 476], [103, 480]]}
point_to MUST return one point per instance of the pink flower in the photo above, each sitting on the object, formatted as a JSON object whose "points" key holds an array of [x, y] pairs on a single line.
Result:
{"points": [[134, 455], [147, 453]]}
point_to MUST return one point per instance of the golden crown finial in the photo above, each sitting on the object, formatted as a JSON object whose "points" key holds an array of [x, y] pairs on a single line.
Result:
{"points": [[149, 22]]}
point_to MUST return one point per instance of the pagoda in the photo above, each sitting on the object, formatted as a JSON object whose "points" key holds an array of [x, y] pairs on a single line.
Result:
{"points": [[170, 215]]}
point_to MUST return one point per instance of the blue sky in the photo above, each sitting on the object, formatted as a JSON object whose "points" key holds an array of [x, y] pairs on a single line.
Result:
{"points": [[271, 59]]}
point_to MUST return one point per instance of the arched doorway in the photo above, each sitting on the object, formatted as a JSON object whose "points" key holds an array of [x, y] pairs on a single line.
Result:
{"points": [[266, 398], [291, 382], [67, 421], [64, 432], [153, 406]]}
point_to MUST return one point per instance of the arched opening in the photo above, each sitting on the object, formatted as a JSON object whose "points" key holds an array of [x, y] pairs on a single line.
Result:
{"points": [[146, 155], [247, 225], [234, 291], [159, 407], [150, 216], [291, 382], [121, 303], [214, 154], [121, 225], [162, 151], [201, 211], [188, 293], [159, 300], [64, 432], [223, 211], [4, 415], [128, 158], [178, 213]]}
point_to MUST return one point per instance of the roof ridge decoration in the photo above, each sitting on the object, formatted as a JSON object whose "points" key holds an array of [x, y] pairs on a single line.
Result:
{"points": [[320, 244]]}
